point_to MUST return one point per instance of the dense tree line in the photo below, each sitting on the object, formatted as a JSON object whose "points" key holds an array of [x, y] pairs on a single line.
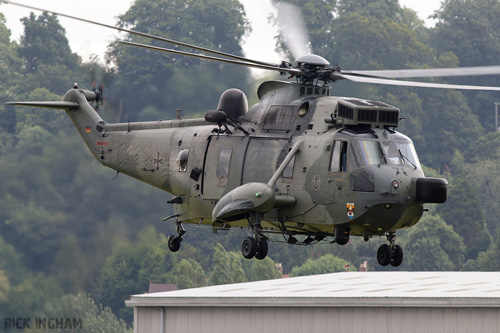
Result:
{"points": [[72, 240]]}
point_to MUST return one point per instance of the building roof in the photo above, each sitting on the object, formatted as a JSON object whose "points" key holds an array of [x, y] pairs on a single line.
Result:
{"points": [[157, 288], [471, 289]]}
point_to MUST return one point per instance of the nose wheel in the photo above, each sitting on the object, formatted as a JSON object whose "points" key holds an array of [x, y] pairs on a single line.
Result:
{"points": [[390, 254]]}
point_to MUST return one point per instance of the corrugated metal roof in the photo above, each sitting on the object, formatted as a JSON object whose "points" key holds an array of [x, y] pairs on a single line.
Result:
{"points": [[361, 288]]}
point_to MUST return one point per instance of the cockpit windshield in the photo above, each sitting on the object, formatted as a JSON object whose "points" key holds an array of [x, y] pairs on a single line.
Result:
{"points": [[409, 154], [364, 153], [391, 153]]}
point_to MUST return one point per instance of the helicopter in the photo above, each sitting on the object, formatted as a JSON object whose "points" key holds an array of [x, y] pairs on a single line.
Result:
{"points": [[299, 163]]}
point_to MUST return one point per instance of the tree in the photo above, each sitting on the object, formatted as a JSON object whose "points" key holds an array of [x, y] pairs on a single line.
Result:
{"points": [[94, 317], [189, 274], [44, 42], [226, 267], [131, 268], [4, 287], [379, 9], [470, 30], [68, 266], [432, 245], [464, 212], [34, 297], [447, 125], [323, 265], [158, 79], [259, 270], [10, 69], [47, 56]]}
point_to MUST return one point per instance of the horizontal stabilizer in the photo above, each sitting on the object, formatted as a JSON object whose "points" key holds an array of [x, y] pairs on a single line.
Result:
{"points": [[64, 105]]}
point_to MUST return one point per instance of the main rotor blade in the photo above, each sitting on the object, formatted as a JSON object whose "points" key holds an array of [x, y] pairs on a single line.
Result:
{"points": [[374, 80], [138, 33], [430, 72], [202, 56]]}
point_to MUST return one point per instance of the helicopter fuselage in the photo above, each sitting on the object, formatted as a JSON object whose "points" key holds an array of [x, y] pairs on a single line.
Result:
{"points": [[362, 177]]}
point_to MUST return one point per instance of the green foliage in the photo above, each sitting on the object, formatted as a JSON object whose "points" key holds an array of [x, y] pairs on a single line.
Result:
{"points": [[258, 270], [464, 213], [459, 20], [68, 266], [44, 42], [323, 265], [165, 80], [368, 42], [130, 268], [227, 267], [4, 287], [47, 56], [470, 29], [10, 69], [95, 318], [433, 245], [36, 296], [189, 274]]}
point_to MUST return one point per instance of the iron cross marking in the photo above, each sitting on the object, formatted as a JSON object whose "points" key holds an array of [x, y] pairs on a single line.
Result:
{"points": [[158, 161]]}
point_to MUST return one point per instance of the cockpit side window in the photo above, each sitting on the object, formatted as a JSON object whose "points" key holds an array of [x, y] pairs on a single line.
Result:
{"points": [[364, 153], [338, 161]]}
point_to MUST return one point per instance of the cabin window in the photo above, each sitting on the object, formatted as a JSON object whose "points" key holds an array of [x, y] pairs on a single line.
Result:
{"points": [[338, 161], [224, 161], [288, 172], [182, 160], [364, 153]]}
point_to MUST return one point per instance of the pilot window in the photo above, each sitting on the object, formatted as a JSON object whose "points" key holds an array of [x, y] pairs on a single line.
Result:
{"points": [[364, 153], [224, 160], [338, 161]]}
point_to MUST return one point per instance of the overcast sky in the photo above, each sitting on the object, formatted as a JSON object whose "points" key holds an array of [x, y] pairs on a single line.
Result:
{"points": [[86, 39]]}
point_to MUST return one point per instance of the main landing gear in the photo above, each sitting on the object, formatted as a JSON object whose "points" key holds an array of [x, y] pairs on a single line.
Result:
{"points": [[390, 254], [174, 242], [255, 246]]}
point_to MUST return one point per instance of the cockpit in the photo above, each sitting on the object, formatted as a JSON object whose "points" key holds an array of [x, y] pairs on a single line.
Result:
{"points": [[356, 153]]}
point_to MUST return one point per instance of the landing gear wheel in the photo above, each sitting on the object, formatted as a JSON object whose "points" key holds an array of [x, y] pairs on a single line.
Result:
{"points": [[397, 256], [262, 248], [174, 243], [384, 255], [341, 235], [249, 247]]}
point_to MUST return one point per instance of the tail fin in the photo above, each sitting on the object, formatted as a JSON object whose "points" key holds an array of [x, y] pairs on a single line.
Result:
{"points": [[86, 120]]}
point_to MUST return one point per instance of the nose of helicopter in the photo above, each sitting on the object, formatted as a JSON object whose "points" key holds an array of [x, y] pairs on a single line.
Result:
{"points": [[431, 190]]}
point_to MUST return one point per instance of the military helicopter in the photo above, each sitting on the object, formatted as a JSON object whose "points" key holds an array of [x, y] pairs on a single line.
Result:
{"points": [[298, 163]]}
